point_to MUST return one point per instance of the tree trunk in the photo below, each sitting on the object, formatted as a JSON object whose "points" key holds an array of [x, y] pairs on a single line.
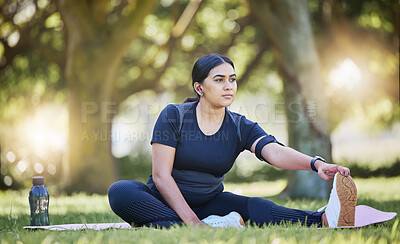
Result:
{"points": [[90, 112], [288, 25], [94, 51]]}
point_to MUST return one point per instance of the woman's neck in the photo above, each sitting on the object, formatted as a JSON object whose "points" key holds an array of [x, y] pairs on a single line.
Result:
{"points": [[208, 113]]}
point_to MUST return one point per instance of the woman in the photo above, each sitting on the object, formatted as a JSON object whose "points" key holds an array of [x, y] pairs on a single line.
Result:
{"points": [[195, 144]]}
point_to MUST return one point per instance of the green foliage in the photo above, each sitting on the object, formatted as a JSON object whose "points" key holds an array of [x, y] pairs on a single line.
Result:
{"points": [[164, 60], [265, 173], [365, 32], [365, 171], [379, 15], [28, 85], [83, 208]]}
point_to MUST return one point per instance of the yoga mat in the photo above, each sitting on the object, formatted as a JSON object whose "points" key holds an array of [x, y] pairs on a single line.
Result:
{"points": [[99, 226], [365, 215]]}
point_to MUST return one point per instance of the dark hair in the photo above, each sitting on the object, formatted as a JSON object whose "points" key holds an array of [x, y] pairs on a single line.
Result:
{"points": [[202, 68]]}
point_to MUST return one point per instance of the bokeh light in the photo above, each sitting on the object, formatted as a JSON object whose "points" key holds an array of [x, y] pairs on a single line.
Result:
{"points": [[8, 180], [37, 146], [10, 157], [346, 75], [44, 132]]}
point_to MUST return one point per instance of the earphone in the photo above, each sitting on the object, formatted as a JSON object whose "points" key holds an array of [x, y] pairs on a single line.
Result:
{"points": [[200, 90]]}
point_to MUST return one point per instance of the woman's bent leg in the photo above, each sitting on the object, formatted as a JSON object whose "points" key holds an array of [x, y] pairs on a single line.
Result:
{"points": [[136, 204], [259, 211]]}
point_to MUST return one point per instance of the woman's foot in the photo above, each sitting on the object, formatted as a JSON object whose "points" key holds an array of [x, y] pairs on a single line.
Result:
{"points": [[233, 219], [324, 221], [340, 210]]}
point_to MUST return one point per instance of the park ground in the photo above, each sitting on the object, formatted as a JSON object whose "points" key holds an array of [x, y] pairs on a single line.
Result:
{"points": [[381, 193]]}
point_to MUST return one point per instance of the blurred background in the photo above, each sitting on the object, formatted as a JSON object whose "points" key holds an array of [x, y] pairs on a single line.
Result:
{"points": [[82, 83]]}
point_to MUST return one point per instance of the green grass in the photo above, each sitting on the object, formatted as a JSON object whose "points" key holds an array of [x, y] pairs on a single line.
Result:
{"points": [[380, 193]]}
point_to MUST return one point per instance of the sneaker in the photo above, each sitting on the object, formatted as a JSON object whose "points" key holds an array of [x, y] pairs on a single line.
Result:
{"points": [[341, 208], [233, 219]]}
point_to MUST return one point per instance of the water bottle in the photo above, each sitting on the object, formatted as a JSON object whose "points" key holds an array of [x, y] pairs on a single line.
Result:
{"points": [[39, 202]]}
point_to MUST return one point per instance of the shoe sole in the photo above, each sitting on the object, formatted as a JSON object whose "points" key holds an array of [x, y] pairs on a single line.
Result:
{"points": [[241, 221], [347, 192]]}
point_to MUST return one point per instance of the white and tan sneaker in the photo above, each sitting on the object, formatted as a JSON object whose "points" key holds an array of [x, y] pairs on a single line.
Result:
{"points": [[233, 219], [341, 207]]}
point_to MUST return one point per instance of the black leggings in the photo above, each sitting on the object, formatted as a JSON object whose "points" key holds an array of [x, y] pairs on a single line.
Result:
{"points": [[138, 205]]}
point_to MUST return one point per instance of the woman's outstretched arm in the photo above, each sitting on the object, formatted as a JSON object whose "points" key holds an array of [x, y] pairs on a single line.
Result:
{"points": [[288, 158], [163, 160]]}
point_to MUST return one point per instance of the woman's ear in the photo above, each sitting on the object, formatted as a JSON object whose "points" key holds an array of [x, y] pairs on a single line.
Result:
{"points": [[197, 88]]}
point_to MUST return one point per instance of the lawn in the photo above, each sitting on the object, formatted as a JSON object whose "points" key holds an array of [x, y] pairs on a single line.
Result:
{"points": [[381, 193]]}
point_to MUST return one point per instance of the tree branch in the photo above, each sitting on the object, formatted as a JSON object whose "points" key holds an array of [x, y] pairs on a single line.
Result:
{"points": [[47, 52], [254, 63], [126, 30], [144, 83], [99, 11], [75, 17], [11, 52], [268, 19], [176, 32], [117, 11], [185, 18], [243, 23], [27, 42]]}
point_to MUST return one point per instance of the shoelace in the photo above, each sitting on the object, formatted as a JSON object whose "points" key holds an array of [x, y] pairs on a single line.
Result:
{"points": [[217, 222]]}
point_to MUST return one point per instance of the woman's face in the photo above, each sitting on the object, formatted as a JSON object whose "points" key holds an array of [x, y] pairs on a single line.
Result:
{"points": [[220, 86]]}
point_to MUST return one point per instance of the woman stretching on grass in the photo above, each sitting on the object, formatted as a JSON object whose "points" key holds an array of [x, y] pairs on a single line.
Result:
{"points": [[195, 144]]}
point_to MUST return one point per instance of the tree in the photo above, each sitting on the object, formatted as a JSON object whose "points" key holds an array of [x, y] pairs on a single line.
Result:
{"points": [[92, 40], [288, 26], [367, 33], [88, 53], [95, 47], [363, 31]]}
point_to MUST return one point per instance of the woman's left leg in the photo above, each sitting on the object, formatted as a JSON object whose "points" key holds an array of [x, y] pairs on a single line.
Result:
{"points": [[259, 211], [138, 205]]}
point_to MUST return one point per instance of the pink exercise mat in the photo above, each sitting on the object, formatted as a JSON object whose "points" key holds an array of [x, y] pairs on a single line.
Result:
{"points": [[365, 215], [98, 226]]}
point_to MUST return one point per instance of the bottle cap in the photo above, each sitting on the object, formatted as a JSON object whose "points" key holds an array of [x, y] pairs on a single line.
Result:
{"points": [[38, 180]]}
